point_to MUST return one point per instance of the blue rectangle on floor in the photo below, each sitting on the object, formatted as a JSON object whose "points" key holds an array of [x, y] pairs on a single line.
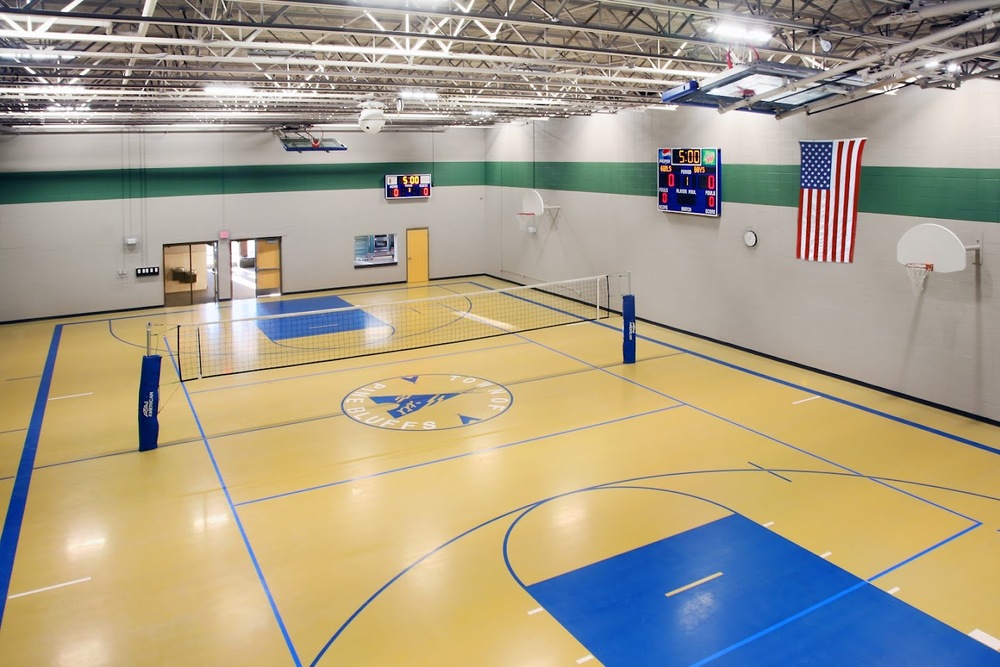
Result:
{"points": [[310, 322], [737, 596]]}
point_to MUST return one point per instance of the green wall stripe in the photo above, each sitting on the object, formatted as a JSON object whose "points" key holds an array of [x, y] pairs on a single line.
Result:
{"points": [[59, 186], [961, 194]]}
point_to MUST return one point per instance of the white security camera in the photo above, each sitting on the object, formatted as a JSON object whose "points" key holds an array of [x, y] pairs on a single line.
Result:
{"points": [[372, 120]]}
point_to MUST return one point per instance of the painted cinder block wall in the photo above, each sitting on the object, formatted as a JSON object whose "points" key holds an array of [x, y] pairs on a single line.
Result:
{"points": [[67, 201], [932, 156]]}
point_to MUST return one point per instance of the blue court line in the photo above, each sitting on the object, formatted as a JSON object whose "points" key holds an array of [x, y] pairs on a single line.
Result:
{"points": [[743, 426], [780, 624], [19, 494], [929, 549], [830, 397], [239, 525], [650, 389], [453, 457]]}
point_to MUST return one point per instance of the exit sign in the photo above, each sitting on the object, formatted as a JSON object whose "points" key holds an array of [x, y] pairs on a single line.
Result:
{"points": [[147, 271]]}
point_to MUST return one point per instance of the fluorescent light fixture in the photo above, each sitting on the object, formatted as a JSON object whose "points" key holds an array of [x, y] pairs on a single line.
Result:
{"points": [[932, 64], [951, 68], [224, 90], [482, 113], [37, 56], [420, 95], [737, 33]]}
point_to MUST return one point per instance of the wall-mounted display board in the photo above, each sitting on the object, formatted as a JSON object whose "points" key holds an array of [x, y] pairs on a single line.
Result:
{"points": [[407, 186], [689, 180]]}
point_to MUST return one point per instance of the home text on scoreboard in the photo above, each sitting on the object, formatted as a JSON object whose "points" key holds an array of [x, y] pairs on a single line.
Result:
{"points": [[407, 186], [689, 180]]}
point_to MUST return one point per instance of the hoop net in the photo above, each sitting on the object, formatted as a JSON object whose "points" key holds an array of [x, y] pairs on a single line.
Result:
{"points": [[525, 220], [918, 273]]}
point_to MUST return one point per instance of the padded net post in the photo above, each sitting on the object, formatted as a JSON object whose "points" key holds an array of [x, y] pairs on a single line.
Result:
{"points": [[628, 328]]}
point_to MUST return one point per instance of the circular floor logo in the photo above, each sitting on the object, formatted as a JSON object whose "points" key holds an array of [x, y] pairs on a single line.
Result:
{"points": [[426, 402]]}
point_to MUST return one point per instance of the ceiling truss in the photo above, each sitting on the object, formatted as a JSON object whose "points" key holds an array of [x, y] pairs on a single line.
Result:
{"points": [[433, 63]]}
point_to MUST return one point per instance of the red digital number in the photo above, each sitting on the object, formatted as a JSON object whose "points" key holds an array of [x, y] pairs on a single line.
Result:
{"points": [[663, 197], [426, 192], [711, 181], [670, 180], [395, 192], [711, 201]]}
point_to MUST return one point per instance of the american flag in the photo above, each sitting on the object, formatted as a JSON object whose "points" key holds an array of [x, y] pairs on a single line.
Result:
{"points": [[828, 199]]}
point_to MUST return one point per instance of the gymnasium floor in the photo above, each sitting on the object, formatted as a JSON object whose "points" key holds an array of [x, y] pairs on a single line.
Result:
{"points": [[538, 503]]}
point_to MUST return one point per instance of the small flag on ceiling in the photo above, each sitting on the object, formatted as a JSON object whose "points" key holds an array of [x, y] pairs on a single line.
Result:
{"points": [[828, 199]]}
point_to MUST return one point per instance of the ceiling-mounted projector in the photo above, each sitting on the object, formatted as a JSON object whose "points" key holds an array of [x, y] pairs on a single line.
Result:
{"points": [[372, 120]]}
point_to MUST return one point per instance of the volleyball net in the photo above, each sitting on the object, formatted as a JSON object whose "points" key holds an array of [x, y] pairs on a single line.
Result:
{"points": [[275, 341]]}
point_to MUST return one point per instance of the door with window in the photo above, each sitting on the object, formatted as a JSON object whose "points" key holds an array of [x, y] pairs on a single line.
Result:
{"points": [[268, 266]]}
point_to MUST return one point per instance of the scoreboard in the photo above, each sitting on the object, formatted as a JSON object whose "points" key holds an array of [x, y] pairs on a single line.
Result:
{"points": [[689, 180], [407, 186]]}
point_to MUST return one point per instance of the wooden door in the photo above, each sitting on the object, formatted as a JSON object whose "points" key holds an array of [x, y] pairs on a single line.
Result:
{"points": [[417, 262], [268, 252]]}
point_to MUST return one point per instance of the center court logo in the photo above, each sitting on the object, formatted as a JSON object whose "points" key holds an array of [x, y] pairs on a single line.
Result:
{"points": [[426, 402]]}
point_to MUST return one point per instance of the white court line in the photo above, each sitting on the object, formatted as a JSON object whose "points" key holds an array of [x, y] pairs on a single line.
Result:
{"points": [[985, 638], [58, 398], [811, 398], [584, 659], [493, 323], [893, 591], [826, 555], [48, 588], [693, 584], [768, 524], [535, 611]]}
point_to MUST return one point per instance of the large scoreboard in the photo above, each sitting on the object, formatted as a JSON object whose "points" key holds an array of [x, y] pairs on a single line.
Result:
{"points": [[407, 186], [689, 180]]}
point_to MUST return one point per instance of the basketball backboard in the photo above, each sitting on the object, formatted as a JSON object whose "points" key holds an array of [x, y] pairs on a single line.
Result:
{"points": [[531, 202], [933, 244]]}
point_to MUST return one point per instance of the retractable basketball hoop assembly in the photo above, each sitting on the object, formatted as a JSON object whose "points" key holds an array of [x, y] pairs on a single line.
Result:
{"points": [[532, 208], [303, 138], [929, 247]]}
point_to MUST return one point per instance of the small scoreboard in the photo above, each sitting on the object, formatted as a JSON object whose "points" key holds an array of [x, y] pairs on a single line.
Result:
{"points": [[689, 180], [407, 186]]}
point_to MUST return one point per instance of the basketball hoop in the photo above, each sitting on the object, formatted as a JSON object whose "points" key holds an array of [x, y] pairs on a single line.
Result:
{"points": [[526, 222], [918, 273]]}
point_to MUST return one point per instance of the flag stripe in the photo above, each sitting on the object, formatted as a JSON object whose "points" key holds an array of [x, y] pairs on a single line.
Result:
{"points": [[828, 200]]}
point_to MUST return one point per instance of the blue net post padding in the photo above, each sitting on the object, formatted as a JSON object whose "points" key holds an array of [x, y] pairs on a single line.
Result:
{"points": [[149, 402], [628, 328]]}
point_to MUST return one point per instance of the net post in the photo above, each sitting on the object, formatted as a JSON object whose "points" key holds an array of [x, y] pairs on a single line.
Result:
{"points": [[149, 395], [628, 328]]}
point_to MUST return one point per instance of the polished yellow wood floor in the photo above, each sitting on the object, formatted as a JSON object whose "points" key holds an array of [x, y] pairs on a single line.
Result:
{"points": [[274, 526]]}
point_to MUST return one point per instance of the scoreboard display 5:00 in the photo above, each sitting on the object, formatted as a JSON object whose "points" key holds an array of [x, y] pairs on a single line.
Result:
{"points": [[689, 180]]}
